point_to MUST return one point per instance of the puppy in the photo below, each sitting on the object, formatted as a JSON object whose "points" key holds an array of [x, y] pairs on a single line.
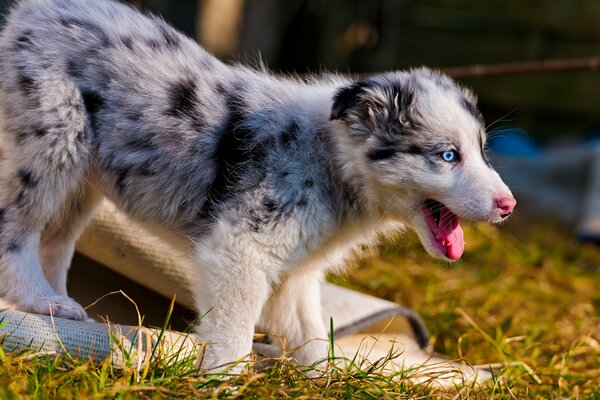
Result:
{"points": [[265, 182]]}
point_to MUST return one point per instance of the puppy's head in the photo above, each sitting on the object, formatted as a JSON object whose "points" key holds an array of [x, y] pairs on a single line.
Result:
{"points": [[417, 142]]}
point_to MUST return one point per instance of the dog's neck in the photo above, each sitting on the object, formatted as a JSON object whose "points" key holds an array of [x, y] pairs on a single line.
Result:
{"points": [[351, 194]]}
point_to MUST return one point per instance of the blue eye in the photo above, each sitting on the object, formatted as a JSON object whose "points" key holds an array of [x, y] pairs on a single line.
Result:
{"points": [[450, 155]]}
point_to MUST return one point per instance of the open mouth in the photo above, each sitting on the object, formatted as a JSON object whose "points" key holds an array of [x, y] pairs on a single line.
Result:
{"points": [[447, 234]]}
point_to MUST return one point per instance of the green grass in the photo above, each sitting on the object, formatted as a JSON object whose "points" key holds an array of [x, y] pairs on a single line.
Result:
{"points": [[525, 296]]}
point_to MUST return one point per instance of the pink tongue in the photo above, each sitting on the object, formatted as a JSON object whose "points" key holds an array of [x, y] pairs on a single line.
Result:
{"points": [[451, 233]]}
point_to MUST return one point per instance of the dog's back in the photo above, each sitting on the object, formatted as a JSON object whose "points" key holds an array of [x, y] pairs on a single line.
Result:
{"points": [[153, 110]]}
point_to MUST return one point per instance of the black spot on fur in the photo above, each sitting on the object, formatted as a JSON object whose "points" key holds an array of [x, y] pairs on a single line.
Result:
{"points": [[182, 98], [470, 107], [270, 204], [266, 214], [170, 37], [198, 124], [133, 114], [34, 132], [153, 44], [290, 134], [414, 149], [24, 41], [218, 88], [13, 246], [73, 69], [27, 178], [93, 103], [255, 221], [122, 173], [309, 183], [87, 26], [230, 156], [127, 42], [382, 153], [26, 83], [22, 136], [388, 150], [183, 102], [2, 217]]}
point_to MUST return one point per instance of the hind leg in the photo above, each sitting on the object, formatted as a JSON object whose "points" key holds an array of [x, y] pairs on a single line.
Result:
{"points": [[46, 149], [28, 207], [22, 278], [58, 239]]}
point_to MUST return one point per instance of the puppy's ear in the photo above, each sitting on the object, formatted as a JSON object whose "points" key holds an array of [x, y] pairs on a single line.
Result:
{"points": [[380, 105], [346, 99]]}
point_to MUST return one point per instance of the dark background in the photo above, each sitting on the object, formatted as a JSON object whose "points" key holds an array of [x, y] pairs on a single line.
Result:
{"points": [[362, 36]]}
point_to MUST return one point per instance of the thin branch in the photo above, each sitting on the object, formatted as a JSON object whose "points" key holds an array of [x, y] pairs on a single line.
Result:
{"points": [[569, 64]]}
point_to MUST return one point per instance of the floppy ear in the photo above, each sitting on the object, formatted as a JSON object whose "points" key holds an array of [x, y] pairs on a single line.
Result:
{"points": [[346, 98], [377, 105]]}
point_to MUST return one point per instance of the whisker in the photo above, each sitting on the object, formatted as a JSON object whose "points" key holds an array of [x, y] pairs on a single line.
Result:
{"points": [[501, 119]]}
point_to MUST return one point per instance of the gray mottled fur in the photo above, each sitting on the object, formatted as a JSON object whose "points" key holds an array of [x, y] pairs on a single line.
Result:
{"points": [[264, 181]]}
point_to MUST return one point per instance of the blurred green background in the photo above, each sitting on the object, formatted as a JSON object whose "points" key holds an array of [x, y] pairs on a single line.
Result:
{"points": [[364, 36]]}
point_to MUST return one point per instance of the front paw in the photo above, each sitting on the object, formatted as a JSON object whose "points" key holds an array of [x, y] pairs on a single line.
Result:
{"points": [[223, 358], [57, 306]]}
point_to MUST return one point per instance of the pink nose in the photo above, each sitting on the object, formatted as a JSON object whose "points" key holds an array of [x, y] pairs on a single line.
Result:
{"points": [[505, 205]]}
